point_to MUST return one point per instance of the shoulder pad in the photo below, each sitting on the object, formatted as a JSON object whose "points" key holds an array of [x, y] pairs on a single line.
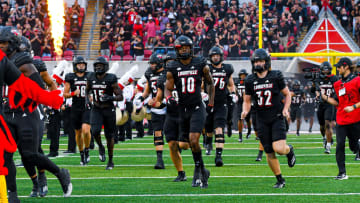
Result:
{"points": [[250, 77], [229, 68], [69, 77], [39, 65], [91, 76], [112, 77], [199, 61], [171, 65], [21, 58], [147, 73]]}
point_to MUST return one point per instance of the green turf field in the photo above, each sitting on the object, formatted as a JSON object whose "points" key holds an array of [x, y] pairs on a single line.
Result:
{"points": [[240, 180]]}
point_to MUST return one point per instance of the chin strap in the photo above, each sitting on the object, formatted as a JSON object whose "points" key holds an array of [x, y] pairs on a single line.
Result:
{"points": [[24, 88]]}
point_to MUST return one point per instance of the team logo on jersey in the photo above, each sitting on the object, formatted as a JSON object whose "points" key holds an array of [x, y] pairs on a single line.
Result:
{"points": [[267, 81], [178, 69], [192, 67]]}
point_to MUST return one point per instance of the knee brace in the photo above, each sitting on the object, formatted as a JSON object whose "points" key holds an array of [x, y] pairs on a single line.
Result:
{"points": [[159, 140], [219, 138]]}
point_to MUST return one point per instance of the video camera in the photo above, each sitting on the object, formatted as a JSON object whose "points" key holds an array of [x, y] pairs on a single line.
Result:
{"points": [[314, 74]]}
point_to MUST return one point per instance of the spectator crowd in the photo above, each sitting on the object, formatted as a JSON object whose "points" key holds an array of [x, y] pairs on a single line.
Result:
{"points": [[134, 29], [31, 19]]}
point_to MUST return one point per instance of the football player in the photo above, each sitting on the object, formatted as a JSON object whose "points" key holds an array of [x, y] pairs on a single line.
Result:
{"points": [[23, 121], [240, 87], [224, 85], [103, 87], [309, 106], [265, 87], [75, 85], [326, 111], [297, 98], [187, 73]]}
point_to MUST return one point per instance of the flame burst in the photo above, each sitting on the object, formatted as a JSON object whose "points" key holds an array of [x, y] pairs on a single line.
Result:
{"points": [[57, 21]]}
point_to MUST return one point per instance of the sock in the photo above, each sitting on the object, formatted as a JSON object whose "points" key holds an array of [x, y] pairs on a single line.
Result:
{"points": [[181, 172], [35, 181], [260, 152], [198, 159], [110, 158], [209, 140], [159, 154], [82, 155], [86, 151], [240, 135], [219, 151], [279, 178], [328, 144]]}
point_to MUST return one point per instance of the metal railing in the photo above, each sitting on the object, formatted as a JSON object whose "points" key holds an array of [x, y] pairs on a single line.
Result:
{"points": [[87, 53]]}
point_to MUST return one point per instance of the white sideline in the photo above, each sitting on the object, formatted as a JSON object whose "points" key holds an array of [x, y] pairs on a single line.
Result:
{"points": [[170, 177], [204, 195]]}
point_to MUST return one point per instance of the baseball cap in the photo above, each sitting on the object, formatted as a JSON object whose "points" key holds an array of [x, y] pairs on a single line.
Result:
{"points": [[343, 61]]}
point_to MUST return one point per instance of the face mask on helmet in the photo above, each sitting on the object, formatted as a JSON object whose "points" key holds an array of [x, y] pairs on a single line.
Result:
{"points": [[80, 67], [259, 68], [99, 69], [154, 67], [215, 59], [184, 52]]}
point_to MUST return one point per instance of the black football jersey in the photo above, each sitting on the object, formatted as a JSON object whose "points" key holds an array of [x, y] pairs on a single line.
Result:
{"points": [[326, 87], [188, 79], [221, 80], [240, 89], [101, 87], [266, 93], [309, 99], [76, 82], [153, 80], [297, 99]]}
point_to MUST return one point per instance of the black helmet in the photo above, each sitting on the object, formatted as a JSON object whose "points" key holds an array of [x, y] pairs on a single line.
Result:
{"points": [[216, 50], [158, 60], [325, 66], [183, 41], [25, 45], [261, 54], [10, 35], [296, 84], [103, 69], [39, 65], [243, 71], [169, 56], [78, 60]]}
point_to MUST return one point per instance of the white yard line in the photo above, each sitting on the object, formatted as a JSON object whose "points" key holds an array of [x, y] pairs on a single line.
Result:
{"points": [[207, 195]]}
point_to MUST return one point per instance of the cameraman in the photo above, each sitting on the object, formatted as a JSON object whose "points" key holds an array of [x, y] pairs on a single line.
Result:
{"points": [[326, 111], [347, 102]]}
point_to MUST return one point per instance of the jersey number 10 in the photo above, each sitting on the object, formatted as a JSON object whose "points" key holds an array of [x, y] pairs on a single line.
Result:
{"points": [[188, 85]]}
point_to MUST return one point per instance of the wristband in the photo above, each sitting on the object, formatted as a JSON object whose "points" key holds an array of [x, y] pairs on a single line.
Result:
{"points": [[72, 94], [154, 104], [167, 98], [354, 106], [211, 105]]}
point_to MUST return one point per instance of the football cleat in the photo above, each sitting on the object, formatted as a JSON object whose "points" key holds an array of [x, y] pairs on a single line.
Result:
{"points": [[64, 178], [259, 157], [209, 147], [87, 156], [218, 161], [159, 164], [248, 135], [341, 176], [357, 157], [181, 177], [35, 191], [279, 184], [13, 197], [43, 188], [291, 157], [327, 150], [110, 165], [205, 174], [102, 156], [196, 179], [297, 134], [240, 140]]}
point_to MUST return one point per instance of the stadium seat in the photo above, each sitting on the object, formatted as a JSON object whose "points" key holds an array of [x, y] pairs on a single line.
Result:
{"points": [[147, 53], [127, 49], [127, 58], [127, 42], [116, 58], [36, 57], [68, 53], [68, 58], [46, 58]]}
